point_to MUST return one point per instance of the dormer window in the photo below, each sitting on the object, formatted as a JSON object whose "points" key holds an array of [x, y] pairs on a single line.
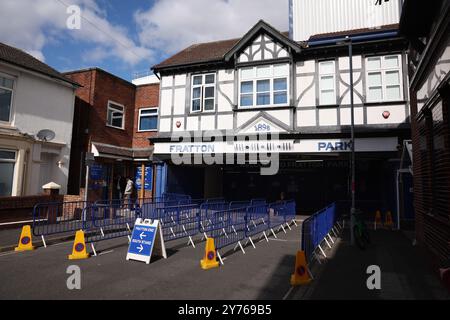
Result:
{"points": [[264, 86]]}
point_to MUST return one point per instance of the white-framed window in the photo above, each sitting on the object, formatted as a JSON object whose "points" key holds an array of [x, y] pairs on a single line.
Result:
{"points": [[327, 83], [264, 86], [384, 78], [7, 165], [203, 93], [116, 116], [148, 119], [6, 98]]}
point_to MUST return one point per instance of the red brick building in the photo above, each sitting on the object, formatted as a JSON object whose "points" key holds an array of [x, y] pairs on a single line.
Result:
{"points": [[113, 121]]}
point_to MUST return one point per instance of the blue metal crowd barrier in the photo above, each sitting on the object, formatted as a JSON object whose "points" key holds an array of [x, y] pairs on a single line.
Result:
{"points": [[239, 204], [257, 219], [177, 222], [207, 210], [257, 202], [175, 196], [59, 217], [317, 228], [228, 228]]}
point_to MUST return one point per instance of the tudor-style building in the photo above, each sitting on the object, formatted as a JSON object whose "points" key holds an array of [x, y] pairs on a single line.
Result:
{"points": [[267, 83]]}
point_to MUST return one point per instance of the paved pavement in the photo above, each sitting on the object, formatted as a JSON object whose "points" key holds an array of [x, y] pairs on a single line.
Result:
{"points": [[405, 271], [262, 273]]}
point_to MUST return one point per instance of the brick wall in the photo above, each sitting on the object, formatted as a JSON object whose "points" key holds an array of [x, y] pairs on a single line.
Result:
{"points": [[21, 208], [146, 96]]}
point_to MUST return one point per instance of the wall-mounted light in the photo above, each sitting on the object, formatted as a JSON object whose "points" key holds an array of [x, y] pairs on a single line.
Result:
{"points": [[60, 164]]}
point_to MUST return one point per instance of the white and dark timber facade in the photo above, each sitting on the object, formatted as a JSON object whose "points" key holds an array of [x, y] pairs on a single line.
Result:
{"points": [[269, 83]]}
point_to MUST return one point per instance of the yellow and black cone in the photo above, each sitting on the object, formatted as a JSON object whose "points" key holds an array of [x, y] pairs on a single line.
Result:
{"points": [[377, 219], [210, 259], [79, 247], [301, 274], [25, 240], [388, 222]]}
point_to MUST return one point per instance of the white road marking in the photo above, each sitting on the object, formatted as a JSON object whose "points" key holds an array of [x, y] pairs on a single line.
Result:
{"points": [[105, 252], [288, 293]]}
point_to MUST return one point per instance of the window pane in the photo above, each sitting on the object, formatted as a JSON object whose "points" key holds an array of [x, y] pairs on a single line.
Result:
{"points": [[391, 62], [326, 67], [6, 83], [151, 111], [246, 100], [5, 104], [263, 72], [393, 93], [374, 63], [263, 86], [327, 97], [209, 92], [209, 104], [6, 178], [198, 80], [7, 155], [375, 94], [392, 78], [327, 83], [248, 73], [210, 78], [148, 123], [117, 122], [280, 97], [196, 105], [263, 99], [196, 93], [281, 70], [279, 84], [247, 87], [374, 79], [115, 106]]}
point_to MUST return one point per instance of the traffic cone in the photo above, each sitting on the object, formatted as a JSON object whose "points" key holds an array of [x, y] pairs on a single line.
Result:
{"points": [[388, 222], [377, 219], [25, 240], [210, 259], [79, 247], [301, 275]]}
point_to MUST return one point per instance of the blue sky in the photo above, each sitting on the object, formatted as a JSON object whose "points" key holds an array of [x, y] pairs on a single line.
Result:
{"points": [[124, 37]]}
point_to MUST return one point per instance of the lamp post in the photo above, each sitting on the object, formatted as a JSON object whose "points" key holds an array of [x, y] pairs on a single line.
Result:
{"points": [[348, 40]]}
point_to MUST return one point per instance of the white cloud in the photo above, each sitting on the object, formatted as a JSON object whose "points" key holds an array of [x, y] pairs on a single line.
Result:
{"points": [[32, 24], [171, 25]]}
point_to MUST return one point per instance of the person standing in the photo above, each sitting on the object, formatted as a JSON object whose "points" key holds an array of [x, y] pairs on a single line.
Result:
{"points": [[128, 191]]}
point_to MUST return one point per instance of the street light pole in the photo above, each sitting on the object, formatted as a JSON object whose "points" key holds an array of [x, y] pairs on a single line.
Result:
{"points": [[353, 173]]}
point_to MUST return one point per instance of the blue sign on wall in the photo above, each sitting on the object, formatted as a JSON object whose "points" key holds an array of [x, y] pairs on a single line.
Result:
{"points": [[148, 178]]}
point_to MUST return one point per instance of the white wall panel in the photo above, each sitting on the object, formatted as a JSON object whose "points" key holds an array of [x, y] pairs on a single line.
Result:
{"points": [[225, 122], [328, 117], [164, 125], [375, 115], [310, 17], [207, 123], [306, 118], [180, 101], [165, 105], [346, 116], [192, 123]]}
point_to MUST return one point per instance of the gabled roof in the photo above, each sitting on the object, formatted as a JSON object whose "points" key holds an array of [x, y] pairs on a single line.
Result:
{"points": [[262, 26], [24, 60], [222, 51]]}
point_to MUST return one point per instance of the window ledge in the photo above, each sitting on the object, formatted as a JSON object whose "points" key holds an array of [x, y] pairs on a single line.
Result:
{"points": [[328, 106], [384, 103], [256, 108], [112, 127]]}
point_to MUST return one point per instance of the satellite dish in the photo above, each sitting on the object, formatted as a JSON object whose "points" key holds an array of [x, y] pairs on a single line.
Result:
{"points": [[46, 135]]}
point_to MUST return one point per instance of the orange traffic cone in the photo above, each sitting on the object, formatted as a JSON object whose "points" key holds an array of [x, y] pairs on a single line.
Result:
{"points": [[388, 222], [25, 240], [210, 259], [301, 275], [377, 219], [79, 247]]}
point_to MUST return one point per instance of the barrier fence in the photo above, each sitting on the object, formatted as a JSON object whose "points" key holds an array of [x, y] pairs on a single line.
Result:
{"points": [[229, 223], [317, 228]]}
